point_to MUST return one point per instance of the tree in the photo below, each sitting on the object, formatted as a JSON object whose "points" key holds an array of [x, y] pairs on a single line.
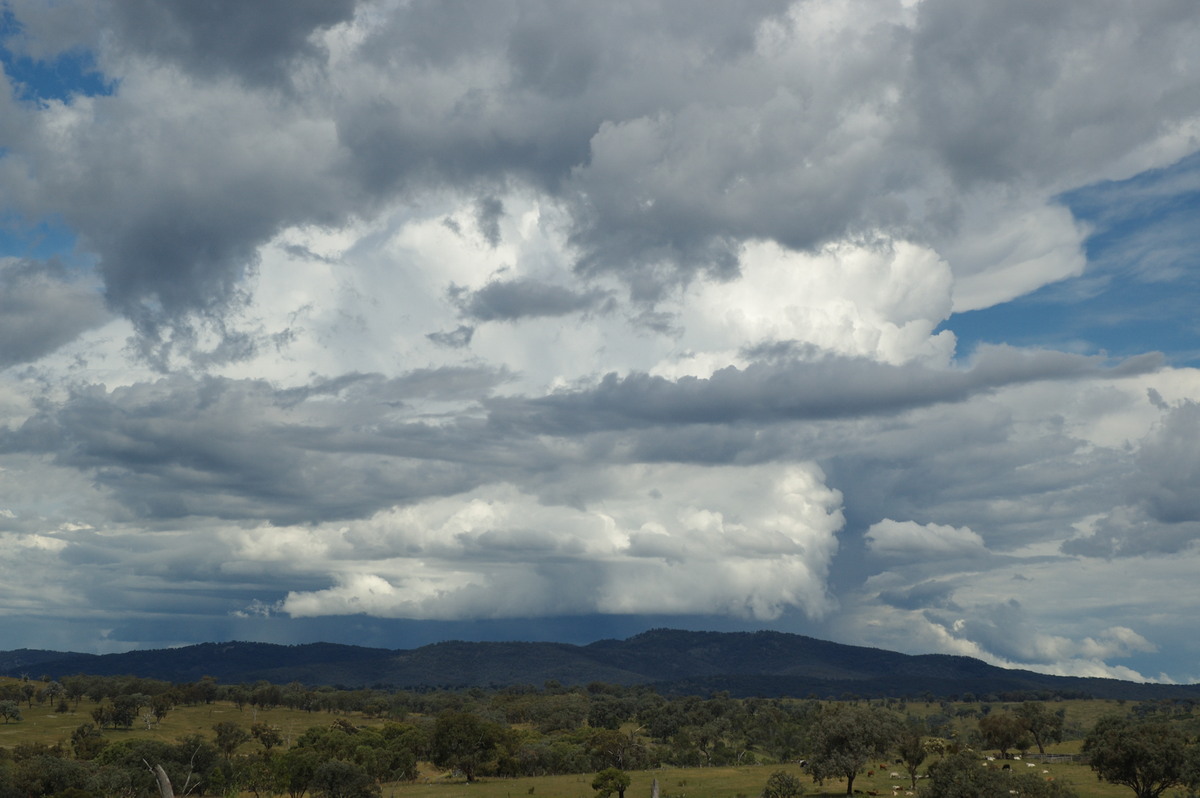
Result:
{"points": [[10, 710], [1147, 757], [294, 771], [964, 775], [337, 779], [268, 736], [910, 745], [87, 742], [782, 784], [229, 736], [845, 737], [1003, 731], [1042, 724], [161, 704], [614, 749], [464, 742], [611, 780]]}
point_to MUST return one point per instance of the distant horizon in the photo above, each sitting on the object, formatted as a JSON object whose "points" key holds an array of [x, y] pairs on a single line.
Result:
{"points": [[536, 641]]}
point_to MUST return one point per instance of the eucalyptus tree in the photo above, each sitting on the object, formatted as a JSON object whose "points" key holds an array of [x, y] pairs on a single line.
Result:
{"points": [[845, 737]]}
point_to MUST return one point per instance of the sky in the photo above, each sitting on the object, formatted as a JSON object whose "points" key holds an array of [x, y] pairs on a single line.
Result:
{"points": [[391, 322]]}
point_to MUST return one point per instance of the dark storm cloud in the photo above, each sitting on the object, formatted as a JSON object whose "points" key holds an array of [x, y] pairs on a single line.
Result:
{"points": [[562, 73], [41, 309], [969, 59], [237, 449], [930, 593], [670, 137], [458, 338], [488, 213], [510, 300], [828, 389], [259, 42], [240, 449]]}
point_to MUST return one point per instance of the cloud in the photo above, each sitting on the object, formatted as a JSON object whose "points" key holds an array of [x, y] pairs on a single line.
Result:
{"points": [[628, 310], [670, 145], [1164, 513], [1007, 631], [906, 539], [515, 299], [750, 542], [233, 449], [828, 388], [42, 308], [260, 43]]}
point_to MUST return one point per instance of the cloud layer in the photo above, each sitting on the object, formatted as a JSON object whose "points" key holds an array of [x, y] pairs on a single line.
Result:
{"points": [[446, 312]]}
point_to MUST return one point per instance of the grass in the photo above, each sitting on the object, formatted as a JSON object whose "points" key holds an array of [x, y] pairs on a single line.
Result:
{"points": [[730, 782]]}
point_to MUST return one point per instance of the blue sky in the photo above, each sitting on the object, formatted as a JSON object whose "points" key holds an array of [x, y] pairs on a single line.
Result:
{"points": [[1139, 288], [40, 80], [386, 324]]}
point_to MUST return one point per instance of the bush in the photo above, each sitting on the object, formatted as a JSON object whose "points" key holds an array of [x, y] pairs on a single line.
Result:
{"points": [[782, 784]]}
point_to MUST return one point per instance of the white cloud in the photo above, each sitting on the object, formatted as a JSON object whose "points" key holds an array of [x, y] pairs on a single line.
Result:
{"points": [[749, 542], [889, 538]]}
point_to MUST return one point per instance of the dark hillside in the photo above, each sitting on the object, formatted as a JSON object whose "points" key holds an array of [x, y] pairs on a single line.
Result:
{"points": [[743, 663], [23, 659]]}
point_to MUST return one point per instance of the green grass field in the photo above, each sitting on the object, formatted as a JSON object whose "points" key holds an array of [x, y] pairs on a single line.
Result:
{"points": [[736, 782], [41, 724]]}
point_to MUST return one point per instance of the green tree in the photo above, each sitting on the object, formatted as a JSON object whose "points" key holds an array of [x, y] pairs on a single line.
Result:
{"points": [[10, 710], [1042, 724], [782, 784], [611, 780], [614, 749], [87, 742], [294, 771], [161, 704], [48, 774], [1003, 731], [229, 736], [464, 742], [268, 736], [256, 773], [338, 779], [1148, 757], [845, 737], [964, 775], [910, 745]]}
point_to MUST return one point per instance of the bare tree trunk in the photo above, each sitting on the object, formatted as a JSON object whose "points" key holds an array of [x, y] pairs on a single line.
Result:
{"points": [[164, 782]]}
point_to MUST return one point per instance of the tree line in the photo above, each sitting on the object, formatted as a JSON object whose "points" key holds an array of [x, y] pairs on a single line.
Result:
{"points": [[529, 731]]}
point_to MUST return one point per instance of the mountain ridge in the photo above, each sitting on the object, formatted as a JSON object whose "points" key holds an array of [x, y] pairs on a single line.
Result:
{"points": [[765, 663]]}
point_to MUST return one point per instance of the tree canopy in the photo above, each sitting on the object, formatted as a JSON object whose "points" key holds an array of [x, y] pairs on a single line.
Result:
{"points": [[845, 737], [1148, 757]]}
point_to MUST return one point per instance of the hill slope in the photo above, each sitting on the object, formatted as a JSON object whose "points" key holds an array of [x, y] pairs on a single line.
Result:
{"points": [[744, 663]]}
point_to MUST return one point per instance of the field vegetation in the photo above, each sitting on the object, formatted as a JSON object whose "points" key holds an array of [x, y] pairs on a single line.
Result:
{"points": [[88, 737]]}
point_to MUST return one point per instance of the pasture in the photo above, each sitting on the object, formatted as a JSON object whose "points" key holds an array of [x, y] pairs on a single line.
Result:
{"points": [[42, 724]]}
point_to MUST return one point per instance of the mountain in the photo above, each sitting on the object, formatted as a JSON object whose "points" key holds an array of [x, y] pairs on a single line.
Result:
{"points": [[26, 661], [674, 661]]}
